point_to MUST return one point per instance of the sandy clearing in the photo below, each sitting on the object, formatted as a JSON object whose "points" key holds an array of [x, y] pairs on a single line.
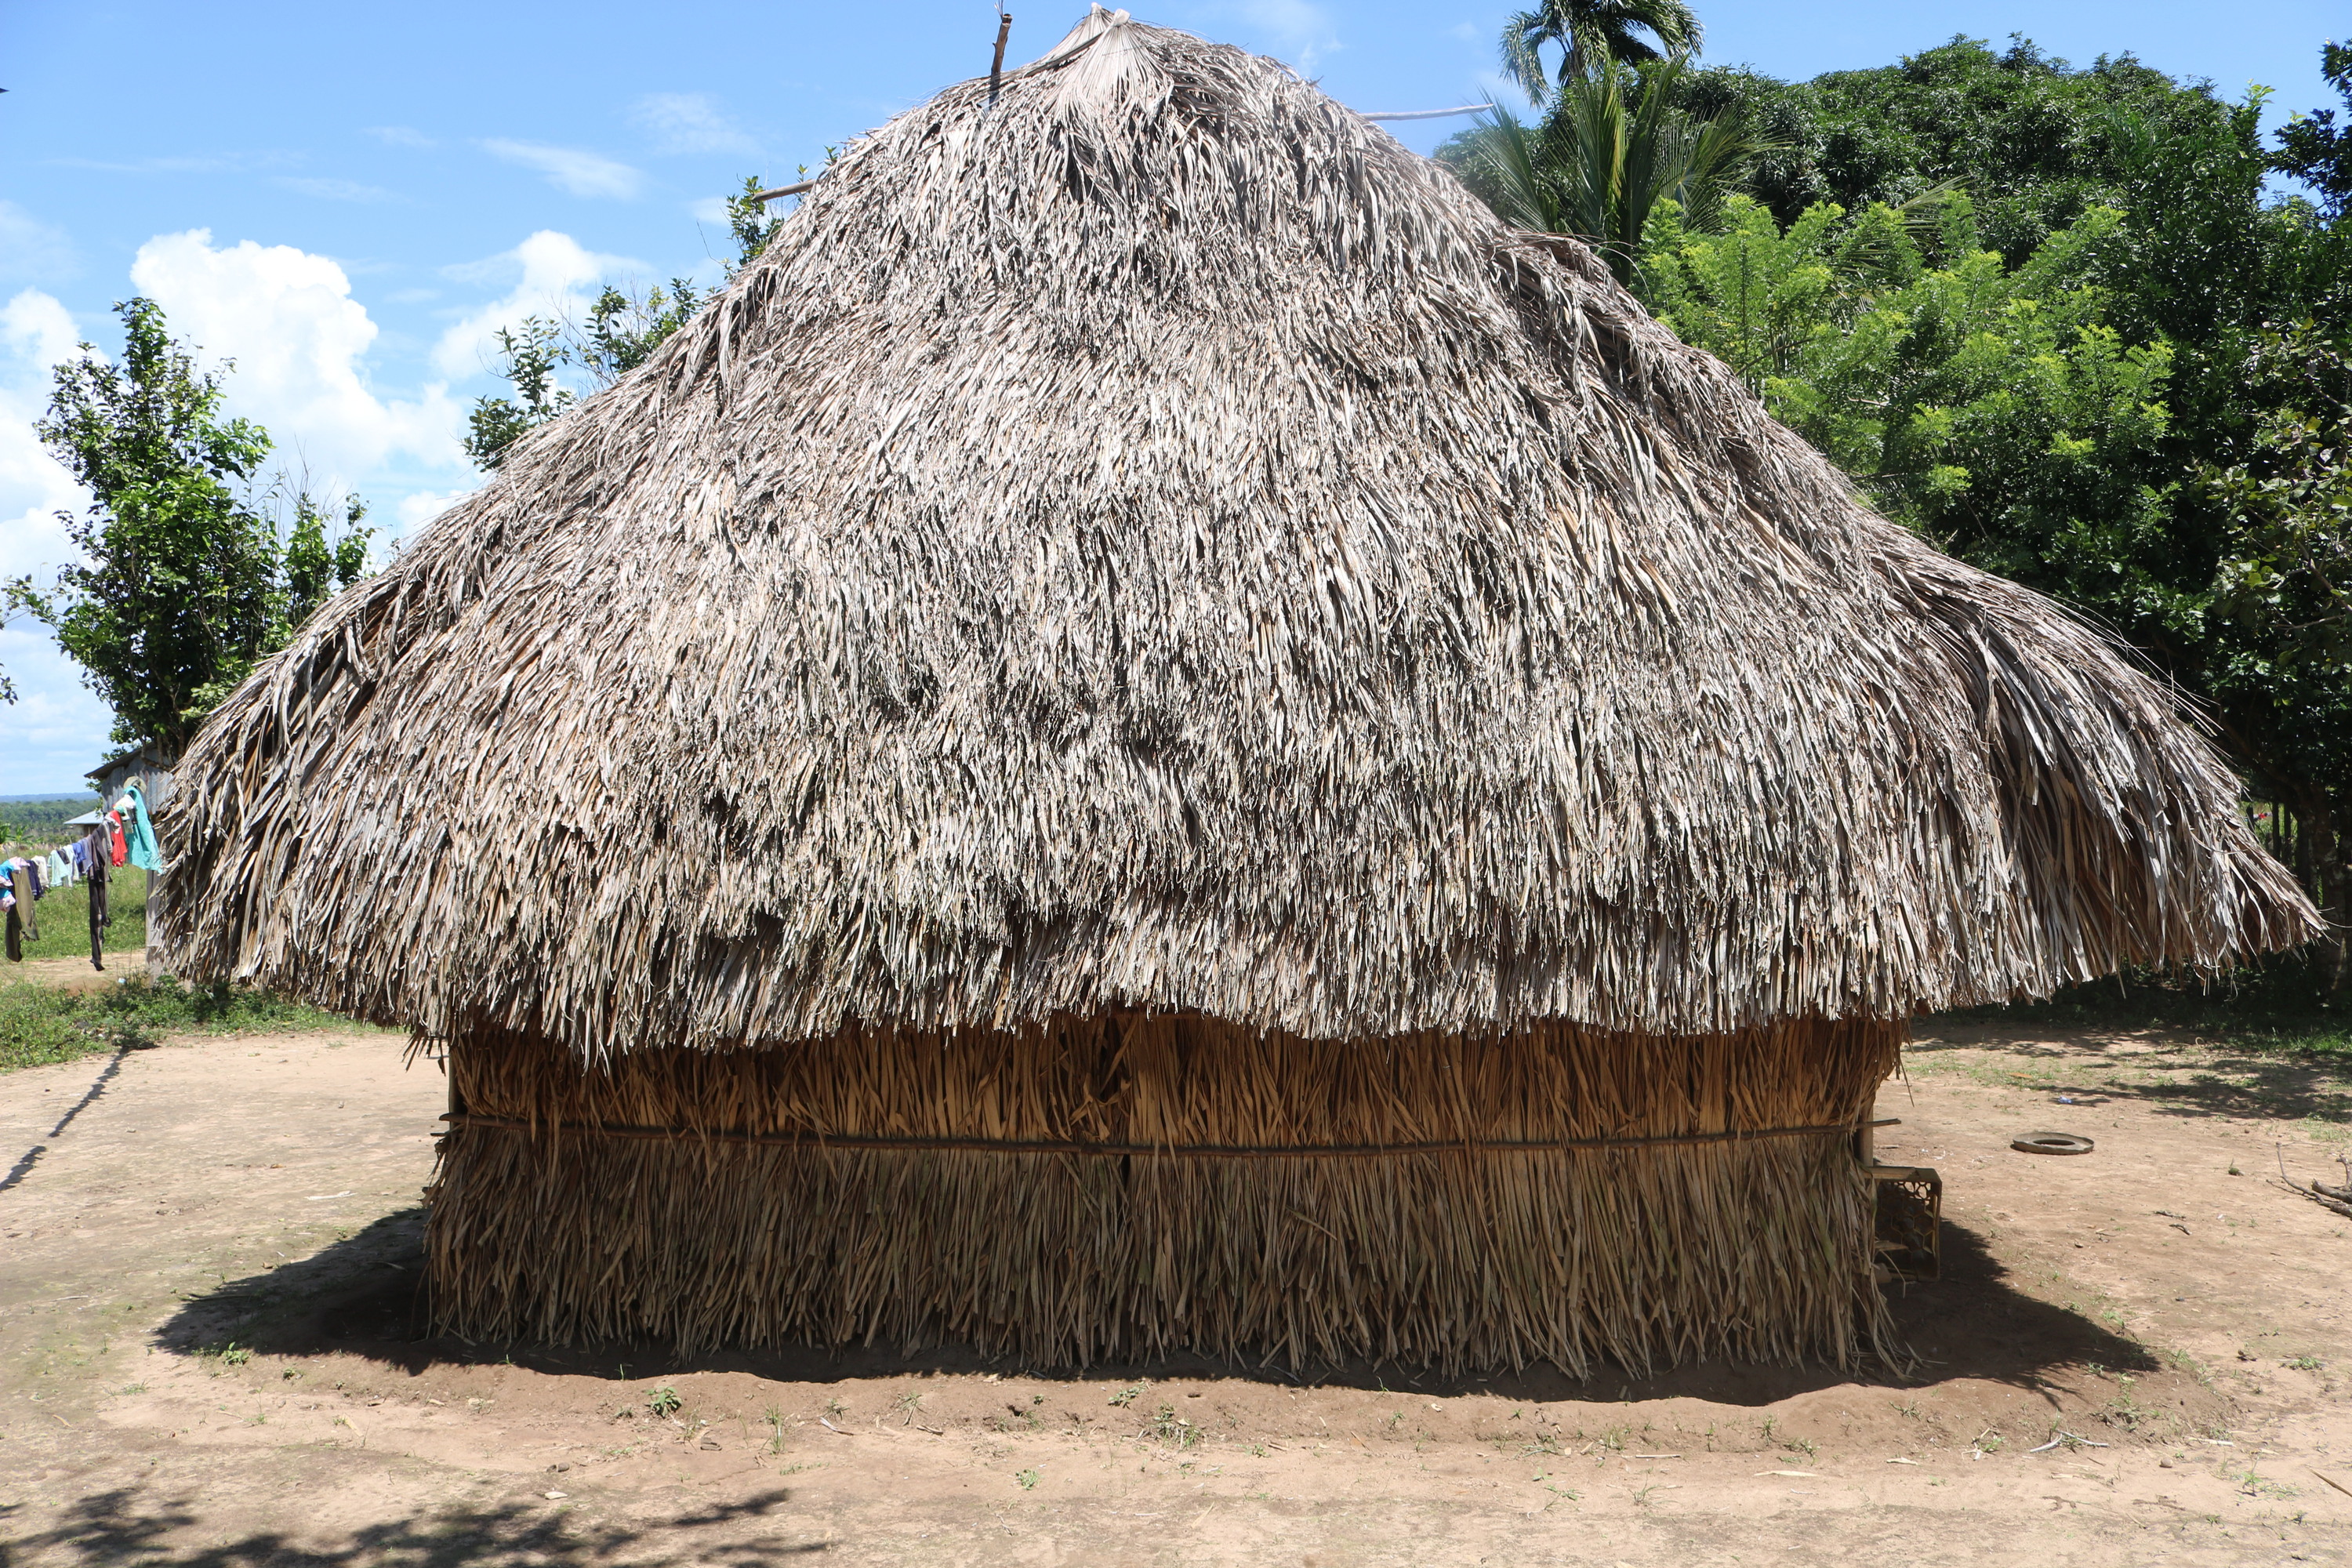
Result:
{"points": [[260, 1192]]}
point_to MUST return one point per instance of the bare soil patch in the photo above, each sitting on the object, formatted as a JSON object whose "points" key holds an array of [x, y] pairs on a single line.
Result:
{"points": [[76, 974], [212, 1352]]}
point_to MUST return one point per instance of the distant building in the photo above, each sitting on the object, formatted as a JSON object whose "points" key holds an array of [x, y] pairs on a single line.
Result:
{"points": [[143, 765]]}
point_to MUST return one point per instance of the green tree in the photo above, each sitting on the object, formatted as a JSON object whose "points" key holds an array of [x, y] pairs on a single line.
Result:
{"points": [[2279, 654], [2090, 396], [1990, 407], [2314, 148], [1592, 32], [529, 354], [622, 331], [2035, 141], [183, 583], [753, 224], [1613, 146]]}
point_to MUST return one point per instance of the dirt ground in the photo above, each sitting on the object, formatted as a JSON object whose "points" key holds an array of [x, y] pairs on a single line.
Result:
{"points": [[209, 1355], [76, 975]]}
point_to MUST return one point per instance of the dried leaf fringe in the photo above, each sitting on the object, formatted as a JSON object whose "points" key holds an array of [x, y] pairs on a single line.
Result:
{"points": [[1156, 542]]}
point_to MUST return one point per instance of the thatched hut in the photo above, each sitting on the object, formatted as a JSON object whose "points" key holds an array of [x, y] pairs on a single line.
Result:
{"points": [[1153, 733]]}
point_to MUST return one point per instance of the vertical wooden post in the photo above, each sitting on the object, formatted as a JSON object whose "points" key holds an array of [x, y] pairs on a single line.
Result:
{"points": [[996, 69]]}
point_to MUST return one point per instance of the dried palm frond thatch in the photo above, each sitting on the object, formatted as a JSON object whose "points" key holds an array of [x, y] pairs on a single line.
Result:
{"points": [[1118, 1188], [1148, 549], [1158, 542]]}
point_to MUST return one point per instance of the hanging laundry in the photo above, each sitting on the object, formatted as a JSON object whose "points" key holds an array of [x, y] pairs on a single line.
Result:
{"points": [[60, 869], [145, 853], [117, 851], [20, 883], [94, 850]]}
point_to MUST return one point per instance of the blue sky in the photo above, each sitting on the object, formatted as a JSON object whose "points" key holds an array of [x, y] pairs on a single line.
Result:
{"points": [[348, 200]]}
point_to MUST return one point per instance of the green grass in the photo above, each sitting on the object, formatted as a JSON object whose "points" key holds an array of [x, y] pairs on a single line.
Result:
{"points": [[42, 1023], [2278, 1011], [63, 915]]}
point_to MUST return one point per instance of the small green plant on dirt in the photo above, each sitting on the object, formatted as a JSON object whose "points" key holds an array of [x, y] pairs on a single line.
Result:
{"points": [[1396, 1419], [291, 1374], [2307, 1364], [228, 1355], [836, 1407], [1804, 1446], [2124, 1409], [1028, 1479], [2254, 1484], [1769, 1423], [1172, 1430], [1912, 1410], [664, 1402], [773, 1419], [2191, 1365], [1544, 1443], [1128, 1395]]}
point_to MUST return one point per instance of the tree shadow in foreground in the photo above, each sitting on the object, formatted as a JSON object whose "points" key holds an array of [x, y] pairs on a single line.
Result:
{"points": [[2222, 1079], [367, 1297], [126, 1526]]}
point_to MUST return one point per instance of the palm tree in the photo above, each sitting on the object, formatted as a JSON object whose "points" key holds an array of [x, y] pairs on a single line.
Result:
{"points": [[1614, 147], [1593, 30]]}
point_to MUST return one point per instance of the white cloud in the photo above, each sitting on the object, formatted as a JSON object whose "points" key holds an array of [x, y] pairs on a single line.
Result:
{"points": [[401, 136], [550, 273], [1301, 31], [36, 333], [56, 727], [413, 512], [288, 318], [709, 209], [300, 343], [689, 122], [31, 248], [569, 169]]}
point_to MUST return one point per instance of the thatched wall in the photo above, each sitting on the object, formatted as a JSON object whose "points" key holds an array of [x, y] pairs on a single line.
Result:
{"points": [[1185, 1186]]}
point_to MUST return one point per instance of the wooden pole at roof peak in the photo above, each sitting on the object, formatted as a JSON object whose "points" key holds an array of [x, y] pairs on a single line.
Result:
{"points": [[995, 84], [996, 67]]}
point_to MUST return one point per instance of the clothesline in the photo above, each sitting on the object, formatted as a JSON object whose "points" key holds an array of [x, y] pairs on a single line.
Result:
{"points": [[123, 835]]}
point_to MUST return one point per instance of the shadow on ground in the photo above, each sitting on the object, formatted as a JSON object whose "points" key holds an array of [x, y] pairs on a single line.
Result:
{"points": [[2219, 1081], [32, 1156], [128, 1526], [367, 1297]]}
